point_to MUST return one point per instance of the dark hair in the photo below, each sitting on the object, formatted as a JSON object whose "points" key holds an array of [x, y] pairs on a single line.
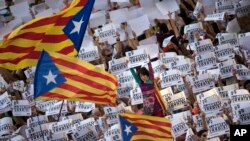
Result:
{"points": [[201, 132], [245, 83], [239, 59], [144, 71]]}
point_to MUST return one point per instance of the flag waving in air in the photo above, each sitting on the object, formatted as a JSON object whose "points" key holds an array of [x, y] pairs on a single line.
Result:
{"points": [[62, 77], [62, 33], [141, 127]]}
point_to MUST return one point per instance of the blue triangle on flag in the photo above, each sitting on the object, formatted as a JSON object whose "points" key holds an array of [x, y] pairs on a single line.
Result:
{"points": [[128, 129], [76, 27], [47, 75]]}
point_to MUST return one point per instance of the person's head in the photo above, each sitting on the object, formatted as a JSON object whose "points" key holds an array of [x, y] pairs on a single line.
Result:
{"points": [[144, 74], [247, 85], [239, 59], [107, 54], [96, 113], [202, 135]]}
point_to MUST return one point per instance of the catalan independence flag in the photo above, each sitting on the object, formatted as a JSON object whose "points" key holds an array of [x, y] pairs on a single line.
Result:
{"points": [[145, 128], [62, 33], [62, 77]]}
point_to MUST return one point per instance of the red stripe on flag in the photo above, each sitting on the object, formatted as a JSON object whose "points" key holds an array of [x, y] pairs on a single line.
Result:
{"points": [[16, 49], [30, 36], [82, 69], [32, 55], [156, 127], [54, 95], [149, 134], [151, 121], [67, 50], [54, 38]]}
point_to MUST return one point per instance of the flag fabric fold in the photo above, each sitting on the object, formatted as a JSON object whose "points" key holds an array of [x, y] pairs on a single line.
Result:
{"points": [[62, 77], [145, 128], [62, 33]]}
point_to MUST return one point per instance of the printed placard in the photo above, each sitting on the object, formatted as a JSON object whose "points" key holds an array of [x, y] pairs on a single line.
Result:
{"points": [[15, 138], [201, 83], [224, 52], [170, 78], [217, 126], [226, 68], [113, 133], [136, 96], [225, 6], [215, 17], [62, 126], [179, 127], [5, 102], [190, 135], [196, 27], [204, 62], [30, 72], [184, 66], [124, 91], [228, 38], [211, 105], [177, 101], [118, 65], [197, 9], [203, 46], [85, 135], [38, 132], [157, 68], [21, 108], [244, 116], [3, 83], [137, 58], [76, 118], [84, 124], [28, 94], [237, 96], [247, 55], [236, 107], [84, 106], [18, 85], [6, 126], [214, 73], [242, 72], [167, 58], [55, 108], [111, 112], [151, 49], [61, 136], [106, 32], [124, 78], [37, 120], [198, 122], [166, 94], [88, 53], [242, 8], [206, 94], [43, 105]]}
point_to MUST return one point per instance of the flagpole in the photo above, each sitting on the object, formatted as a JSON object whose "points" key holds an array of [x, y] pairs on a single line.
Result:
{"points": [[39, 123], [60, 111]]}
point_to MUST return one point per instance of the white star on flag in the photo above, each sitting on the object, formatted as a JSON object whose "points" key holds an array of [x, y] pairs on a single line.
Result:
{"points": [[77, 25], [50, 78], [128, 129]]}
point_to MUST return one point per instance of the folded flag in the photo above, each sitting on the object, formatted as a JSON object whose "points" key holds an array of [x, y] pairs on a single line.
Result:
{"points": [[62, 33], [148, 128], [62, 77]]}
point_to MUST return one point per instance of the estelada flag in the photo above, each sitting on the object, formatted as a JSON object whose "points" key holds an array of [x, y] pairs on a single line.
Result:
{"points": [[62, 33], [62, 77]]}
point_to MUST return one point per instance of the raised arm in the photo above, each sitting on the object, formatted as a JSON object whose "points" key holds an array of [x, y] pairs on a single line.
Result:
{"points": [[136, 76]]}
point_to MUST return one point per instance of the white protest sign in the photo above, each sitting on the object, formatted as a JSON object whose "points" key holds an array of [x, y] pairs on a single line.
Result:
{"points": [[6, 126], [101, 5], [106, 33], [214, 73], [116, 18], [203, 46], [154, 13], [97, 19], [217, 126], [152, 49], [184, 66], [197, 9], [150, 40], [28, 94], [139, 28], [242, 72], [195, 27], [89, 52], [244, 116], [76, 118], [207, 61], [119, 1], [84, 107], [30, 72], [55, 108], [118, 65], [85, 124], [240, 35], [85, 135], [135, 13], [233, 26], [61, 136], [16, 138], [137, 58], [37, 120], [170, 78], [215, 17], [190, 135], [111, 112], [166, 41], [125, 78], [236, 107], [228, 38], [18, 85], [136, 96], [206, 94], [224, 52], [5, 102], [225, 6], [157, 68], [201, 83], [179, 127], [237, 96], [43, 105], [62, 126], [167, 58], [198, 122], [147, 3], [226, 68], [3, 83], [247, 55], [167, 6], [21, 108], [166, 94], [177, 101], [208, 6], [38, 132], [242, 8], [244, 42], [113, 133], [211, 105]]}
